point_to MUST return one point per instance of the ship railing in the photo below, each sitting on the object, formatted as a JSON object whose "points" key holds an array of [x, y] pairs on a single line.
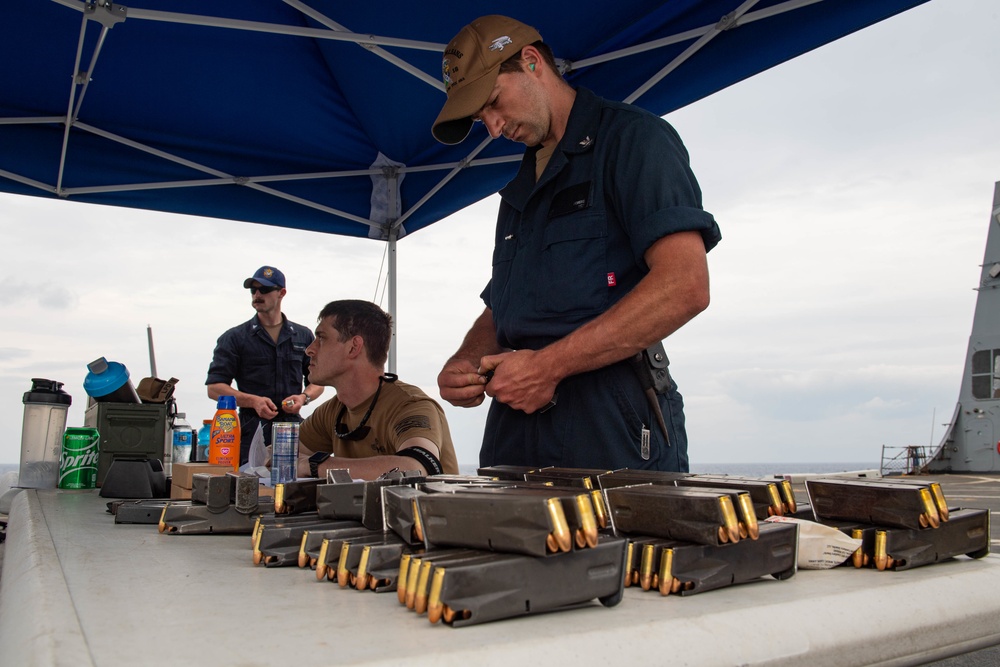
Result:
{"points": [[908, 460]]}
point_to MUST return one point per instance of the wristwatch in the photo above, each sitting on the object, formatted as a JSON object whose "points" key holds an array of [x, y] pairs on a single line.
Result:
{"points": [[307, 400], [314, 462]]}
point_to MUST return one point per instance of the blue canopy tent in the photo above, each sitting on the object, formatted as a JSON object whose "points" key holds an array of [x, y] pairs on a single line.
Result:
{"points": [[316, 115]]}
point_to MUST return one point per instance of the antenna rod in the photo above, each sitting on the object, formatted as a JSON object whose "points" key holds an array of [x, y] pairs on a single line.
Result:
{"points": [[152, 355]]}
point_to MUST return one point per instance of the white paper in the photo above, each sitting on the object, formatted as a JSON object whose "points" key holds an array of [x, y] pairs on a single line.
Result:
{"points": [[257, 461], [820, 547]]}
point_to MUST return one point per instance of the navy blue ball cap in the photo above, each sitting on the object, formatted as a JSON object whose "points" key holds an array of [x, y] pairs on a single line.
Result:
{"points": [[268, 276]]}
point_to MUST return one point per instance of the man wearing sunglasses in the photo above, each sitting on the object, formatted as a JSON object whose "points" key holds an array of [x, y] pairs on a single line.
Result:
{"points": [[266, 356], [375, 423]]}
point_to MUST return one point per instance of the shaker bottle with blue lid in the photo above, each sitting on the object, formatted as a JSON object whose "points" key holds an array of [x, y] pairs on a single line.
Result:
{"points": [[45, 408], [108, 382]]}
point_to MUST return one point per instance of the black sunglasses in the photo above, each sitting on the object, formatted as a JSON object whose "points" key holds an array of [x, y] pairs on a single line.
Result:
{"points": [[263, 290]]}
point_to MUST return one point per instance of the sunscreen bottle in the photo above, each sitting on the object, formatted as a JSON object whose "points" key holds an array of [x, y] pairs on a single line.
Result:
{"points": [[224, 445]]}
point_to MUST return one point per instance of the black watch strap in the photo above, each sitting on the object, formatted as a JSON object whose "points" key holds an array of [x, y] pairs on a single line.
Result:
{"points": [[314, 462]]}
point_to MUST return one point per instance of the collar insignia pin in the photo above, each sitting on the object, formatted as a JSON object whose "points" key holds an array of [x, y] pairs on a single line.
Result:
{"points": [[586, 142]]}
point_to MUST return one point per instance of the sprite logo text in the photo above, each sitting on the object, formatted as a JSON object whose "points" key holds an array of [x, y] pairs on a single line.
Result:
{"points": [[75, 462]]}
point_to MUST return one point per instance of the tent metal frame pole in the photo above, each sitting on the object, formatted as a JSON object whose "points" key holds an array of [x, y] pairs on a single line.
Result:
{"points": [[444, 181], [68, 120], [258, 26], [393, 354], [726, 22], [108, 15], [392, 227], [378, 51]]}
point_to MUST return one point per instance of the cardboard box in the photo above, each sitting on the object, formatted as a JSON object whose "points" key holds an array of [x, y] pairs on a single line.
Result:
{"points": [[183, 473], [179, 493]]}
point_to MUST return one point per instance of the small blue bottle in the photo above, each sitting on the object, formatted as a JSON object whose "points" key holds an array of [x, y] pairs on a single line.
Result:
{"points": [[204, 434]]}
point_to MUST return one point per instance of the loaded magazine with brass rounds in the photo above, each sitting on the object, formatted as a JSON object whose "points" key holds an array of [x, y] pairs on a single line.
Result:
{"points": [[312, 541], [634, 550], [232, 506], [358, 501], [628, 477], [267, 520], [530, 521], [399, 512], [671, 566], [492, 586], [330, 544], [585, 478], [690, 515], [937, 493], [278, 542], [353, 550], [745, 511], [967, 532], [909, 505], [410, 569], [296, 497], [378, 567], [770, 497], [534, 488]]}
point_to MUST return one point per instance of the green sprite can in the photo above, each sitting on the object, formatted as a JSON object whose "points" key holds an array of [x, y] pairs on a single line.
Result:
{"points": [[78, 463]]}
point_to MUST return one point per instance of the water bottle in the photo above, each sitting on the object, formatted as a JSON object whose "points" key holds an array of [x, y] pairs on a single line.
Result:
{"points": [[183, 434], [108, 382], [204, 435], [45, 408]]}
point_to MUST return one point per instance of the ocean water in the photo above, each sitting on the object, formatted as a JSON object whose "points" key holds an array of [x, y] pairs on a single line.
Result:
{"points": [[8, 471], [754, 469]]}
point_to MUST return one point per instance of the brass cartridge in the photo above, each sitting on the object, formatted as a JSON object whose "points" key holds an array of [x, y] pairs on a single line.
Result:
{"points": [[666, 572], [321, 566], [404, 566], [560, 527], [435, 608], [279, 499], [881, 557], [423, 582]]}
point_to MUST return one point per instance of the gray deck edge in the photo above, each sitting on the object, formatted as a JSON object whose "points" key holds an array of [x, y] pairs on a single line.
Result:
{"points": [[38, 620]]}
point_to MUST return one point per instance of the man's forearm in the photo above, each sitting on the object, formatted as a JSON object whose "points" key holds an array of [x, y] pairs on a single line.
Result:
{"points": [[674, 292], [481, 340], [218, 389]]}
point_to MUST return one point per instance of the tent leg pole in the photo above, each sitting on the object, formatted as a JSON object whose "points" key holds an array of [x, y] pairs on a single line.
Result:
{"points": [[392, 298]]}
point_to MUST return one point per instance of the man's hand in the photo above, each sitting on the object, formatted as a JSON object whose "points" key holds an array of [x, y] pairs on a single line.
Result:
{"points": [[460, 381], [461, 384], [264, 407], [293, 404], [520, 380]]}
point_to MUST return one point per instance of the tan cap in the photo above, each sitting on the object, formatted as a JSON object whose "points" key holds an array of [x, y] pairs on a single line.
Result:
{"points": [[470, 66]]}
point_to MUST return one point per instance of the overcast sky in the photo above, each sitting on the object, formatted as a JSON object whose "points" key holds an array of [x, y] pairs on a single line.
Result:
{"points": [[853, 187]]}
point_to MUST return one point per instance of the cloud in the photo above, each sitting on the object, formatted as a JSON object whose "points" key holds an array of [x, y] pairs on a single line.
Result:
{"points": [[810, 394], [12, 353], [48, 295]]}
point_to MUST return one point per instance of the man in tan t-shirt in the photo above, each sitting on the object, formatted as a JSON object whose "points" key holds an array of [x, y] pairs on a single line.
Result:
{"points": [[375, 423]]}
